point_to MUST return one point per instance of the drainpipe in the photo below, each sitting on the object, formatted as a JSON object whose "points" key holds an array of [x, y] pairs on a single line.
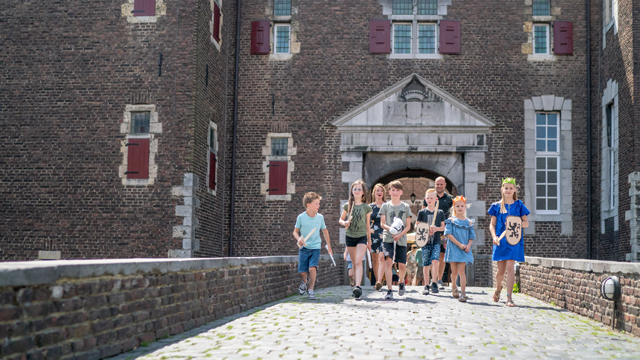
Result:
{"points": [[235, 132], [589, 152]]}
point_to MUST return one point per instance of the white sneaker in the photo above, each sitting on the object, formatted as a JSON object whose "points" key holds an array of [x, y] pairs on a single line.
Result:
{"points": [[312, 295], [440, 285], [303, 288]]}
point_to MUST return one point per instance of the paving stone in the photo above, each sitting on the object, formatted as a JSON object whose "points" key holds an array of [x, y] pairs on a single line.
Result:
{"points": [[337, 326]]}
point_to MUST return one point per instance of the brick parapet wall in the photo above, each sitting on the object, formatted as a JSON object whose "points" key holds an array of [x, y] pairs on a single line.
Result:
{"points": [[575, 285], [91, 309]]}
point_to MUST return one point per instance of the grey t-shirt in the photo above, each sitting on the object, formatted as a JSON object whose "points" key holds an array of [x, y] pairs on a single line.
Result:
{"points": [[402, 211]]}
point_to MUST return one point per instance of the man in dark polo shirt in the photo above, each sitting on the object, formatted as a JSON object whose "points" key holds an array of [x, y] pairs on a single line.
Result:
{"points": [[445, 202]]}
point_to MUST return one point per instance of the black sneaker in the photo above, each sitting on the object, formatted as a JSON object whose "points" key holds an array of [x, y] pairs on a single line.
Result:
{"points": [[357, 292], [434, 288], [389, 295], [401, 290], [426, 290]]}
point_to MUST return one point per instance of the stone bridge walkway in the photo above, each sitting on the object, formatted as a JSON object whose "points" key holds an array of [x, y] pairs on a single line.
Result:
{"points": [[336, 326]]}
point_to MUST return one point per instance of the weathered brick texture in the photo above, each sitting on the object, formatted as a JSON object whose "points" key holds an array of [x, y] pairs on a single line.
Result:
{"points": [[97, 317], [575, 286]]}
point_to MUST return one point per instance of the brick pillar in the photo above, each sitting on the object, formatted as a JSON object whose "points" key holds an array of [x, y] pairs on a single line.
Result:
{"points": [[633, 216]]}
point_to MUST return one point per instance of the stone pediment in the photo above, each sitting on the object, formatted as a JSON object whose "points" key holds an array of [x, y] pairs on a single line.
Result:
{"points": [[413, 105]]}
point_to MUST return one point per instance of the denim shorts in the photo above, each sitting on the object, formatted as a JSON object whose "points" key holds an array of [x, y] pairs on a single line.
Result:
{"points": [[308, 258], [430, 253]]}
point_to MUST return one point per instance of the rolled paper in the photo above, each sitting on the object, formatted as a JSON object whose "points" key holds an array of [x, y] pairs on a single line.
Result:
{"points": [[369, 257]]}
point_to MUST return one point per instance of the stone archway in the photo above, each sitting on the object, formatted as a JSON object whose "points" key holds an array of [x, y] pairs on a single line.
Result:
{"points": [[379, 166]]}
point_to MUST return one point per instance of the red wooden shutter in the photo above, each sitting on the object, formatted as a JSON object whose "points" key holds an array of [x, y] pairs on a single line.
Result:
{"points": [[278, 177], [212, 171], [216, 22], [144, 8], [380, 36], [138, 159], [449, 37], [260, 31], [563, 37]]}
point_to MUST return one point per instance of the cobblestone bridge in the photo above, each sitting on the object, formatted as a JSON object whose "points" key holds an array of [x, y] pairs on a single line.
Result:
{"points": [[336, 326]]}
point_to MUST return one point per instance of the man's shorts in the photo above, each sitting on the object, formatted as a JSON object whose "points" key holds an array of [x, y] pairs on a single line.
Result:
{"points": [[400, 251], [308, 258], [351, 242], [442, 248], [376, 246], [349, 265], [430, 253]]}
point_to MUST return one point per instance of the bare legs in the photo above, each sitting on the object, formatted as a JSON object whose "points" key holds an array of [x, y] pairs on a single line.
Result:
{"points": [[378, 265], [357, 254], [508, 266], [458, 269], [312, 277]]}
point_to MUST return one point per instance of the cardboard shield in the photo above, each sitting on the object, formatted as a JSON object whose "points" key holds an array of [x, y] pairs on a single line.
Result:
{"points": [[513, 229], [422, 234]]}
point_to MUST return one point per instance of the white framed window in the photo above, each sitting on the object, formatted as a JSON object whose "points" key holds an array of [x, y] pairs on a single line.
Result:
{"points": [[541, 8], [612, 145], [427, 38], [541, 39], [282, 7], [282, 37], [402, 7], [547, 163], [402, 38], [212, 158]]}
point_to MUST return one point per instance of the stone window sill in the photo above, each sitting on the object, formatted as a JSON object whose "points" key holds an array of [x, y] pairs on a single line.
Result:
{"points": [[541, 57]]}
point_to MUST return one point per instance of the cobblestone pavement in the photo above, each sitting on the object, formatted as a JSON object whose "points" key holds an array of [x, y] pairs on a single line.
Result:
{"points": [[335, 326]]}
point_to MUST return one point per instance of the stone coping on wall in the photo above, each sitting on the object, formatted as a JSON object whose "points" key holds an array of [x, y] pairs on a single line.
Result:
{"points": [[23, 273], [595, 266]]}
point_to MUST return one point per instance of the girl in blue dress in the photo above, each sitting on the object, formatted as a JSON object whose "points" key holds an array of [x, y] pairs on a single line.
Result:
{"points": [[504, 253], [459, 232]]}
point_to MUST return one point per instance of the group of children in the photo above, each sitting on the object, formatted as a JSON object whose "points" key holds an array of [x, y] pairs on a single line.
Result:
{"points": [[381, 227]]}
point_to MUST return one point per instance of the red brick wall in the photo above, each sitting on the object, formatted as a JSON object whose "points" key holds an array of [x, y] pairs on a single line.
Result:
{"points": [[615, 62], [101, 315], [575, 285]]}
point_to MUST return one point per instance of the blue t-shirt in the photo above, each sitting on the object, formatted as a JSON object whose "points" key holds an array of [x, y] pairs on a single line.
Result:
{"points": [[306, 223], [506, 251]]}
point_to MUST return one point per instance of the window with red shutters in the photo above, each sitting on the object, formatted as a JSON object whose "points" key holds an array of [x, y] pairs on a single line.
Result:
{"points": [[278, 177], [449, 37], [380, 36], [260, 37], [144, 8], [216, 21], [212, 170], [563, 38], [138, 159]]}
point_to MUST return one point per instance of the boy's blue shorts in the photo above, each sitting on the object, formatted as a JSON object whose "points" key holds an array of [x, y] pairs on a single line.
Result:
{"points": [[307, 258], [430, 253]]}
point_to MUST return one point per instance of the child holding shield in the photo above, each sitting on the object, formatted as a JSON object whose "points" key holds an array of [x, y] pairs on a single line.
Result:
{"points": [[503, 252]]}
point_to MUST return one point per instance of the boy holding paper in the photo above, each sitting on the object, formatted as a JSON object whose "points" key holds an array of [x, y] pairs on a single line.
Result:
{"points": [[307, 234]]}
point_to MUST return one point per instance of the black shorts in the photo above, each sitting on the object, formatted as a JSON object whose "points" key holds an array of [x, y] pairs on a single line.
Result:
{"points": [[351, 242], [442, 248], [400, 252]]}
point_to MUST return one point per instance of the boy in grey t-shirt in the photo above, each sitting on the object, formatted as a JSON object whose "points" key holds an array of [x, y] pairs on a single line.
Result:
{"points": [[395, 236]]}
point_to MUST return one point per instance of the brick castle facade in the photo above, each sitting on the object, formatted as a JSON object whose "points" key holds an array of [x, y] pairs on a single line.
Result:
{"points": [[118, 120]]}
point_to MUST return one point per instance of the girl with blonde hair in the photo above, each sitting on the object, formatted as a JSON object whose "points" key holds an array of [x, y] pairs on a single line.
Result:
{"points": [[504, 253]]}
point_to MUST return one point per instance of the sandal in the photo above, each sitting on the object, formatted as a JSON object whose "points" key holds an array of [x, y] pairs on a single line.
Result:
{"points": [[510, 303], [462, 298], [496, 296], [454, 292]]}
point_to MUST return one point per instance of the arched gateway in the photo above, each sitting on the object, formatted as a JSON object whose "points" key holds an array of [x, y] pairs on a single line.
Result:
{"points": [[414, 125]]}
